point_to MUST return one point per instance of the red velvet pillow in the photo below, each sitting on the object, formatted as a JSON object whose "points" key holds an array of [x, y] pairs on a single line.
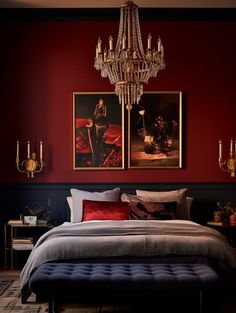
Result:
{"points": [[105, 210]]}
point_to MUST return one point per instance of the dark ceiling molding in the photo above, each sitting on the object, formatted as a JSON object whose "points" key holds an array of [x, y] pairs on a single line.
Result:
{"points": [[101, 14]]}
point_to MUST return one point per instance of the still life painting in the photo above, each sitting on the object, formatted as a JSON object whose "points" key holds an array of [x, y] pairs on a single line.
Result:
{"points": [[155, 131]]}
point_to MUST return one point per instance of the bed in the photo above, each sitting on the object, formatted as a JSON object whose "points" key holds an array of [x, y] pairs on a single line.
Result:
{"points": [[139, 229]]}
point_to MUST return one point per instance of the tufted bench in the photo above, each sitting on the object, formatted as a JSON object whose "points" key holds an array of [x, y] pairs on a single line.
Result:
{"points": [[59, 280]]}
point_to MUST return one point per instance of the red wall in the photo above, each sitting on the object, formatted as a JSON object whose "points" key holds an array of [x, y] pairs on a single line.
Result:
{"points": [[42, 63]]}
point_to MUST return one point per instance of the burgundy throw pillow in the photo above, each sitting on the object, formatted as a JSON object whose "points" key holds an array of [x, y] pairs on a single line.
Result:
{"points": [[152, 210], [105, 210]]}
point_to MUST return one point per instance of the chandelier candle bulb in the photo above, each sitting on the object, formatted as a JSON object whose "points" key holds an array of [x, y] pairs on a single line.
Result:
{"points": [[162, 50], [99, 45], [105, 54], [159, 44], [110, 43], [231, 148], [149, 41]]}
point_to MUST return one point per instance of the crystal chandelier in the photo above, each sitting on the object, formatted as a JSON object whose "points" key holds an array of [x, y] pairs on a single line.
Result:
{"points": [[128, 66]]}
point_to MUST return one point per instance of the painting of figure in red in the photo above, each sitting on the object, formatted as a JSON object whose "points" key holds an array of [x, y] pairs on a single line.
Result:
{"points": [[98, 131]]}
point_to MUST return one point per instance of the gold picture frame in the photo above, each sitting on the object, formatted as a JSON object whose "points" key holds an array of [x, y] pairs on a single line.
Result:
{"points": [[155, 131], [98, 131]]}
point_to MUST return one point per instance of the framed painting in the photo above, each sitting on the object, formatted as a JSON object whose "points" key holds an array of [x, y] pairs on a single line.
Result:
{"points": [[155, 131], [98, 131]]}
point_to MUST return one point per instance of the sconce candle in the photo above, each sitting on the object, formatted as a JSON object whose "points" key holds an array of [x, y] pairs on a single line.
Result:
{"points": [[30, 166], [41, 150], [28, 150], [220, 149], [17, 150], [231, 148]]}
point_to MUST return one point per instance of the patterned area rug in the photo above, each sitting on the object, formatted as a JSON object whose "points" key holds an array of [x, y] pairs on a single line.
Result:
{"points": [[4, 284], [10, 299], [10, 302]]}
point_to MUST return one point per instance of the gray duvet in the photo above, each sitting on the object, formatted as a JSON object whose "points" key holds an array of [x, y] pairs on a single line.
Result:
{"points": [[138, 238]]}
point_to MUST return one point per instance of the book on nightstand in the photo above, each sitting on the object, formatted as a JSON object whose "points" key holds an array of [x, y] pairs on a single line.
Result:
{"points": [[21, 243], [23, 240], [213, 223], [21, 246], [15, 222]]}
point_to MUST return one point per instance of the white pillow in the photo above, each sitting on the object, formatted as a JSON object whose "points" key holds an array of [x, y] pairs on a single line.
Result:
{"points": [[70, 202], [79, 195], [178, 195]]}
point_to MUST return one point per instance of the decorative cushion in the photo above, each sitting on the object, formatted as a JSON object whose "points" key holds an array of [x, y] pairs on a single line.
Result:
{"points": [[128, 198], [178, 195], [105, 210], [79, 195], [152, 210]]}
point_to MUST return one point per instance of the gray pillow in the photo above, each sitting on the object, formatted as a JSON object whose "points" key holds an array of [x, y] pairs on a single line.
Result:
{"points": [[178, 195]]}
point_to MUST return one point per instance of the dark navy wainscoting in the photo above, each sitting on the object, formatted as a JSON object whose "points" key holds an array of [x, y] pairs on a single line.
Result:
{"points": [[15, 196]]}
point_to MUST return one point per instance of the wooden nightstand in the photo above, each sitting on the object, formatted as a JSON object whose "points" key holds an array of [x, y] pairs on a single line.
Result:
{"points": [[20, 237], [229, 231]]}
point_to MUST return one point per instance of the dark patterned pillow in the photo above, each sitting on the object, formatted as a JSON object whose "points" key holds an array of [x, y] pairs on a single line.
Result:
{"points": [[152, 210]]}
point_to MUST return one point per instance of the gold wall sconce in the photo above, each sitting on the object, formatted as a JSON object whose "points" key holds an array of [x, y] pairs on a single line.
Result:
{"points": [[228, 165], [31, 165]]}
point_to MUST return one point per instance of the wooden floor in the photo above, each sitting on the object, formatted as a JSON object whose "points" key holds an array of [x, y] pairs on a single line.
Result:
{"points": [[10, 273]]}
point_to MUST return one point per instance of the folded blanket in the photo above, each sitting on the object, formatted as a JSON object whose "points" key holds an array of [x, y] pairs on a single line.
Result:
{"points": [[136, 238]]}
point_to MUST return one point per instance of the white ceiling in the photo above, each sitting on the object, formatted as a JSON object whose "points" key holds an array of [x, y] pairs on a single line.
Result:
{"points": [[117, 3]]}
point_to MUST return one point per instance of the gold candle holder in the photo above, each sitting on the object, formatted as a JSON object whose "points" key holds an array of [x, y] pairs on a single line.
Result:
{"points": [[228, 165], [31, 165]]}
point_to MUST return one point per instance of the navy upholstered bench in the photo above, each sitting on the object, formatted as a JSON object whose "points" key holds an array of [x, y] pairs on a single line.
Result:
{"points": [[59, 280]]}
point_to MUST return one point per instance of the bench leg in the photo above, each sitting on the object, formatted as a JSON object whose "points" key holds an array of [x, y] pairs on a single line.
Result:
{"points": [[200, 301], [25, 293], [51, 305]]}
